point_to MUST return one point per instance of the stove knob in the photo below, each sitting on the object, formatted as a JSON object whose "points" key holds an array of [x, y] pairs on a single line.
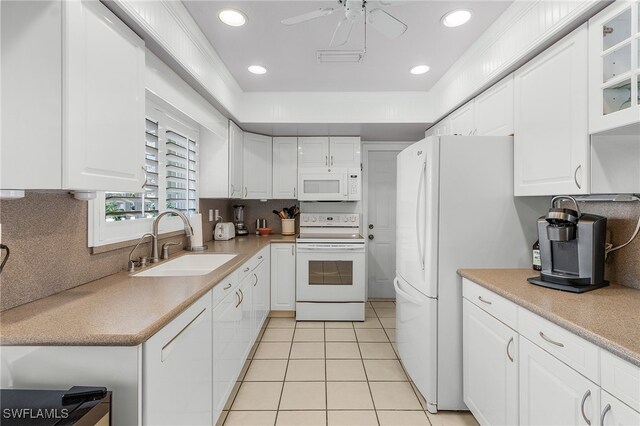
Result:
{"points": [[352, 218], [305, 219], [313, 219]]}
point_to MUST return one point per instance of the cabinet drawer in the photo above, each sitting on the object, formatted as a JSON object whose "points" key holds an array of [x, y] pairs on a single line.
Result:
{"points": [[252, 263], [224, 287], [501, 308], [621, 379], [574, 351]]}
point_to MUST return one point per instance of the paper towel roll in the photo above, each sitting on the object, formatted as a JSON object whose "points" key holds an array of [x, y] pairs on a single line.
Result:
{"points": [[196, 225]]}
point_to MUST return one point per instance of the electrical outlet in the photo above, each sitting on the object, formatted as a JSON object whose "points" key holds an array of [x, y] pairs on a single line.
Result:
{"points": [[210, 215], [0, 233]]}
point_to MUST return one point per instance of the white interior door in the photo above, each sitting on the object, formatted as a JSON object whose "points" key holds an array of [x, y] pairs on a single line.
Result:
{"points": [[381, 226]]}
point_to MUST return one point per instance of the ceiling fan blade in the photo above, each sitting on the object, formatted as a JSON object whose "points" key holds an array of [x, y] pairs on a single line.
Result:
{"points": [[325, 11], [341, 34], [387, 24]]}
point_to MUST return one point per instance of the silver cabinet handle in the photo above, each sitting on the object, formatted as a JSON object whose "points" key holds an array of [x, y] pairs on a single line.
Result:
{"points": [[259, 257], [292, 251], [294, 192], [575, 176], [256, 277], [584, 399], [332, 160], [227, 287], [246, 269], [241, 296], [553, 342], [607, 408], [246, 191], [508, 354], [239, 300], [485, 301], [326, 161]]}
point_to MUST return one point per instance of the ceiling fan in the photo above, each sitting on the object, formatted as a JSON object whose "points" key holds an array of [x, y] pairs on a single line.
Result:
{"points": [[382, 21]]}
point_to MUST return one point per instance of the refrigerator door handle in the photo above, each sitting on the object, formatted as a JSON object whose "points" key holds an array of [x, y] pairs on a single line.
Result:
{"points": [[405, 295], [423, 175]]}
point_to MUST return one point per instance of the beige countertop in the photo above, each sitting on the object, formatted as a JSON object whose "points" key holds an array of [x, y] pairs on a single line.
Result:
{"points": [[120, 310], [608, 317]]}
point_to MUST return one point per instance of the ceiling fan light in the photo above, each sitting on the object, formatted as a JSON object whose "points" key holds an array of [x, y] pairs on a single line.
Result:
{"points": [[455, 18], [420, 69], [257, 69], [232, 17]]}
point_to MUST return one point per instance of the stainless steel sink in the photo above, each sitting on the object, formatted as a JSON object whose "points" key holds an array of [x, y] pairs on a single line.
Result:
{"points": [[188, 265]]}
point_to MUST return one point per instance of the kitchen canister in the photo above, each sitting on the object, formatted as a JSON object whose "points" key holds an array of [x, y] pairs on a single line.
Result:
{"points": [[288, 226]]}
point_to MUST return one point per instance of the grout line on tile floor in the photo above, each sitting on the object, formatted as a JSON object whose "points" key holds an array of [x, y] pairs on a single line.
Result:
{"points": [[366, 376]]}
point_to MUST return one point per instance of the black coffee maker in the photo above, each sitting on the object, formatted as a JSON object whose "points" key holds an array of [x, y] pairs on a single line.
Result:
{"points": [[572, 249]]}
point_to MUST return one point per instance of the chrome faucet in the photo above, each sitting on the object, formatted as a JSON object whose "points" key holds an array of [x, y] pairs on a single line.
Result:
{"points": [[187, 229]]}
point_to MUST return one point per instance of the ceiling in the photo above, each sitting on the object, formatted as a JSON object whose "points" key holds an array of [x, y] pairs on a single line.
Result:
{"points": [[289, 52]]}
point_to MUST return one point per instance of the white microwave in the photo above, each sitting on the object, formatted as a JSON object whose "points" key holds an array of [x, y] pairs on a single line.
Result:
{"points": [[335, 184]]}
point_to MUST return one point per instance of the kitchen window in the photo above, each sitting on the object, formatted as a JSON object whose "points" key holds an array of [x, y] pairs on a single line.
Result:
{"points": [[171, 171]]}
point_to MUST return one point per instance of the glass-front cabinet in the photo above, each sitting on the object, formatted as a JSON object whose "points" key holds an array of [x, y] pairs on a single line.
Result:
{"points": [[614, 67]]}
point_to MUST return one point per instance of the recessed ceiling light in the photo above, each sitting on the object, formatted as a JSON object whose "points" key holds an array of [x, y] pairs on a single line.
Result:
{"points": [[257, 69], [455, 18], [232, 17], [420, 69]]}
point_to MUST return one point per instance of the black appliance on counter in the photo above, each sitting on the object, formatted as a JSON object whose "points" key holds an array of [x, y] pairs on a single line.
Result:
{"points": [[572, 249], [80, 406]]}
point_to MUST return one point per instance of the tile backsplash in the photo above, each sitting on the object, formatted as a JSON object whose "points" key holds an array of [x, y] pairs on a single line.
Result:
{"points": [[47, 235]]}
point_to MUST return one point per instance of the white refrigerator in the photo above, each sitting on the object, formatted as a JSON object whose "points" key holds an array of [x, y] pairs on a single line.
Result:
{"points": [[455, 209]]}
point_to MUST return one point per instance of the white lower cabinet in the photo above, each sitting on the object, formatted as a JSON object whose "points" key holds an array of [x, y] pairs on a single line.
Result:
{"points": [[176, 369], [283, 277], [613, 412], [552, 392], [490, 367], [261, 279]]}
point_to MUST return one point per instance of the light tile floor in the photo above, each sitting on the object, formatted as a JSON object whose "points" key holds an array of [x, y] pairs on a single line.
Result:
{"points": [[330, 374]]}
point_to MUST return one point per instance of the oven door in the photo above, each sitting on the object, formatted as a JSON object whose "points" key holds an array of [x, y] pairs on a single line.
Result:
{"points": [[330, 274], [322, 185]]}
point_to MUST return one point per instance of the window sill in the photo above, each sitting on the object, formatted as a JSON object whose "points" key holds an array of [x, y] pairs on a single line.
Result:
{"points": [[130, 243]]}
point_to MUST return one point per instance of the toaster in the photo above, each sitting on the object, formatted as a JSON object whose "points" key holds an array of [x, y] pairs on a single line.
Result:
{"points": [[224, 231]]}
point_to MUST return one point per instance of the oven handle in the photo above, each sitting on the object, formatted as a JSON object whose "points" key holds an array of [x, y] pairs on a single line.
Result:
{"points": [[328, 249]]}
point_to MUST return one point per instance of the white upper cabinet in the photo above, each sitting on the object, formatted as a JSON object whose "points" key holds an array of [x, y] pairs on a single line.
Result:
{"points": [[285, 168], [73, 98], [236, 139], [614, 67], [333, 151], [257, 166], [462, 120], [551, 144], [313, 152], [344, 152], [494, 110]]}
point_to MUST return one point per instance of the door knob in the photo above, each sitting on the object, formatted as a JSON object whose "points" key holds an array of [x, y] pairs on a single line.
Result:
{"points": [[371, 237], [371, 226]]}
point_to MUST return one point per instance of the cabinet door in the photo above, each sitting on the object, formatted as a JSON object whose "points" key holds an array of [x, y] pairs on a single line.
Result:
{"points": [[227, 348], [246, 331], [616, 413], [256, 166], [177, 363], [285, 168], [236, 139], [494, 110], [344, 152], [261, 290], [551, 144], [103, 101], [490, 367], [552, 392], [462, 120], [283, 277], [313, 152]]}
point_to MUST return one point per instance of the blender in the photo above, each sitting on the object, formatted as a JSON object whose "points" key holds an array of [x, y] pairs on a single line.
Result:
{"points": [[238, 220]]}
